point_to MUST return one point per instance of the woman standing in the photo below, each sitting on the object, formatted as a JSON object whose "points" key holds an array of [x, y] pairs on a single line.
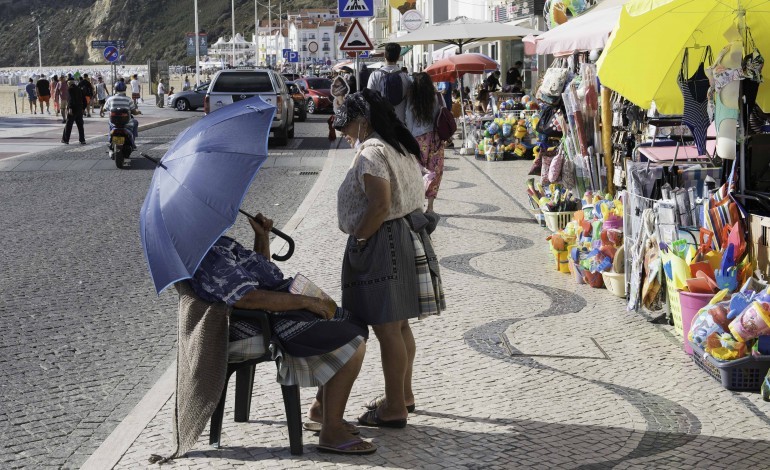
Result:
{"points": [[389, 273], [422, 107]]}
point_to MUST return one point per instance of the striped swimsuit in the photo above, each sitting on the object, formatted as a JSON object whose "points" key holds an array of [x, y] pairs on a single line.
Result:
{"points": [[695, 93]]}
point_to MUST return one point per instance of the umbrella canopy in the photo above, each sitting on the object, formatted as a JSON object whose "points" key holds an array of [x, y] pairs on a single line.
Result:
{"points": [[644, 54], [461, 31], [198, 187], [590, 30], [453, 67]]}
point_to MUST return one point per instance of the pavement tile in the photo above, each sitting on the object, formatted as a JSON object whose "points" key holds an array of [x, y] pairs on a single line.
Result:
{"points": [[646, 406]]}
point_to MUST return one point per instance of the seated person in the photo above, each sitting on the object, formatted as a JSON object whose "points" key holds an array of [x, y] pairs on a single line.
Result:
{"points": [[482, 101], [320, 344], [120, 100]]}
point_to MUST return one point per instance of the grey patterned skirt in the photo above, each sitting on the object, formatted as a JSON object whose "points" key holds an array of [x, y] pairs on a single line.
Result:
{"points": [[379, 280]]}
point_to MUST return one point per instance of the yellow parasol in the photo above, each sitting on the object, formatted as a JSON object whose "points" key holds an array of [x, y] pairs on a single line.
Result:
{"points": [[644, 53]]}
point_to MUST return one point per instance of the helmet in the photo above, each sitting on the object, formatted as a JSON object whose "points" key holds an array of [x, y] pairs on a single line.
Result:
{"points": [[120, 86]]}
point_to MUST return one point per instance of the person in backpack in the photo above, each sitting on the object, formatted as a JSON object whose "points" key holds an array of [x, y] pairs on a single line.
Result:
{"points": [[423, 104], [75, 111], [391, 82], [88, 92]]}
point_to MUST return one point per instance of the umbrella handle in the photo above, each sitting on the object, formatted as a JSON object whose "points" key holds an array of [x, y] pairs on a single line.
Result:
{"points": [[288, 240], [280, 234]]}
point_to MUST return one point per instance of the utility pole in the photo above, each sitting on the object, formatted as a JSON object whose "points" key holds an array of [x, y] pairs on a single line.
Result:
{"points": [[197, 48], [256, 36], [39, 48], [232, 4], [270, 33]]}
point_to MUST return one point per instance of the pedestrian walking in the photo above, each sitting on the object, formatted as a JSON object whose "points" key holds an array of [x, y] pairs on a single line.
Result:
{"points": [[101, 94], [31, 96], [423, 105], [64, 97], [390, 81], [161, 94], [43, 87], [88, 92], [54, 93], [390, 272], [77, 106], [136, 89], [186, 84]]}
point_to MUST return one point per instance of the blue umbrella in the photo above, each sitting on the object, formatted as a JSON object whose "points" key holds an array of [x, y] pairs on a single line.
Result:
{"points": [[198, 187]]}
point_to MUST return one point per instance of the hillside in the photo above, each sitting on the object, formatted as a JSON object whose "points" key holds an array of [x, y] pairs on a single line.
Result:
{"points": [[153, 29]]}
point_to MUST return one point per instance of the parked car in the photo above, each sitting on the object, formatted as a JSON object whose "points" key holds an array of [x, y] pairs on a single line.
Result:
{"points": [[300, 106], [229, 86], [318, 93], [188, 100]]}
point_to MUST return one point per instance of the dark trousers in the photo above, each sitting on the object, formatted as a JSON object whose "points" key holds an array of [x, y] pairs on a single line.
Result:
{"points": [[77, 119]]}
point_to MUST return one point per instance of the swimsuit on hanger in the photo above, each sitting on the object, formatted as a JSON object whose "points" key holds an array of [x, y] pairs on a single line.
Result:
{"points": [[695, 93], [752, 71], [723, 76]]}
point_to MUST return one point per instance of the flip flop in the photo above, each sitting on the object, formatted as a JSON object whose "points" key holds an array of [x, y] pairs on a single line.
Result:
{"points": [[312, 426], [346, 448], [374, 404], [370, 418]]}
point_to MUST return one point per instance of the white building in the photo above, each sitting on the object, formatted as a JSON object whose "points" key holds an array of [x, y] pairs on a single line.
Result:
{"points": [[235, 48]]}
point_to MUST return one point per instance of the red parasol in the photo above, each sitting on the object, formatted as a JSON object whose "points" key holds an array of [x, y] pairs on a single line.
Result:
{"points": [[453, 67]]}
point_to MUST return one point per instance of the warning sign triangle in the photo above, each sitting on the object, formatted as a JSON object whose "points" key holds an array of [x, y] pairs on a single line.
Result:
{"points": [[356, 39]]}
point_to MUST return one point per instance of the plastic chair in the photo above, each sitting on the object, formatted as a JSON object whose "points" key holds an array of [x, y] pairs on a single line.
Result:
{"points": [[244, 383]]}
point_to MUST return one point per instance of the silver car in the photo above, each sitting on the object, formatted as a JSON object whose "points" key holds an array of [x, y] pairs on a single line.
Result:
{"points": [[188, 100], [229, 86]]}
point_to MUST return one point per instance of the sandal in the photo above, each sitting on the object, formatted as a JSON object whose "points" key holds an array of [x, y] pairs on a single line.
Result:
{"points": [[345, 448], [370, 418], [374, 404], [314, 426]]}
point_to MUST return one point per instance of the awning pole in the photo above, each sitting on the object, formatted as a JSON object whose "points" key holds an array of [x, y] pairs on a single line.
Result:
{"points": [[462, 109]]}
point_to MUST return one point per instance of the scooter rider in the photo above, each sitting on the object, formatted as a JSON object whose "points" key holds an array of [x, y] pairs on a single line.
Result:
{"points": [[120, 100]]}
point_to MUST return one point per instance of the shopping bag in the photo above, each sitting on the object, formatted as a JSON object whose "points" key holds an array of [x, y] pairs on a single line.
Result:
{"points": [[721, 212]]}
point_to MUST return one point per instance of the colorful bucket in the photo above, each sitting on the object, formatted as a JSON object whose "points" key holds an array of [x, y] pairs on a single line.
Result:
{"points": [[562, 261], [690, 304]]}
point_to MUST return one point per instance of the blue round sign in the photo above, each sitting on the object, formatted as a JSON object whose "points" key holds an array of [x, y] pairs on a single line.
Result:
{"points": [[111, 53]]}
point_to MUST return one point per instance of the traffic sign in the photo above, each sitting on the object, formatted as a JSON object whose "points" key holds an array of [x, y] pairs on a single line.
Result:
{"points": [[364, 55], [356, 39], [101, 44], [285, 53], [293, 56], [202, 44], [355, 8], [312, 46], [111, 53]]}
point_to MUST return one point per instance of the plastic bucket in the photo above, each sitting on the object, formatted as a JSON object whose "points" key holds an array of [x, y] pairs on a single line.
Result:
{"points": [[690, 303], [576, 271], [562, 260], [615, 283]]}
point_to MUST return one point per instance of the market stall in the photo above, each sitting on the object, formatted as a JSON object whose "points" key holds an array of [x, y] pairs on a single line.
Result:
{"points": [[693, 156]]}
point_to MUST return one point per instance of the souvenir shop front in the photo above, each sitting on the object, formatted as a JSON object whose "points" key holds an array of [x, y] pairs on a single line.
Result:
{"points": [[660, 189]]}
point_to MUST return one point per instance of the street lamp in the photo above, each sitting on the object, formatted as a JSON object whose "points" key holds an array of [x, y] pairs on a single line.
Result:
{"points": [[232, 4], [39, 47], [197, 48]]}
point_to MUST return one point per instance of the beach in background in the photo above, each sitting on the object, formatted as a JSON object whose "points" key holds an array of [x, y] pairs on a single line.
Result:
{"points": [[13, 99]]}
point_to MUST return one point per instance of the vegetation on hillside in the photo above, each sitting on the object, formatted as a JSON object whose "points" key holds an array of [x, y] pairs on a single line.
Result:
{"points": [[152, 29]]}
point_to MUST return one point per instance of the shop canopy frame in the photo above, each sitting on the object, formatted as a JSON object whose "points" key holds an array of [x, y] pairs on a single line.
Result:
{"points": [[462, 31]]}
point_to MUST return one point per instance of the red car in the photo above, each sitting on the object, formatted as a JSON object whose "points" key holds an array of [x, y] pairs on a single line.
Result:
{"points": [[317, 93]]}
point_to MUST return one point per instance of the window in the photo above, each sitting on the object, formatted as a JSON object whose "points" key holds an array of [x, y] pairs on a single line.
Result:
{"points": [[243, 82], [319, 83]]}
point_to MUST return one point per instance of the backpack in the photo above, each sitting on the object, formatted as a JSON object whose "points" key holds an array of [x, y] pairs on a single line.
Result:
{"points": [[393, 88], [445, 125]]}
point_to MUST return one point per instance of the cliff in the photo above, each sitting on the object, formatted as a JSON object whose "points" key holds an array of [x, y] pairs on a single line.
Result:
{"points": [[152, 29]]}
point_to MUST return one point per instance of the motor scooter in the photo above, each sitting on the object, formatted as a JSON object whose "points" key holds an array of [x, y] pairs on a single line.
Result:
{"points": [[121, 137]]}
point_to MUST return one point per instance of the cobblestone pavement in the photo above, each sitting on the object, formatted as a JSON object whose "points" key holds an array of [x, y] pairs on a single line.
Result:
{"points": [[84, 336], [525, 369]]}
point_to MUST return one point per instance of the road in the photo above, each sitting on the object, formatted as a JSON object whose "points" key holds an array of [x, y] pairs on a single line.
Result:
{"points": [[84, 335]]}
